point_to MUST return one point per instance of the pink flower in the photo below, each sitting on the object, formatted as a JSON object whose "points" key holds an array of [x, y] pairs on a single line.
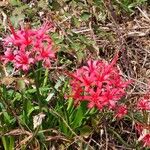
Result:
{"points": [[146, 140], [8, 56], [41, 36], [28, 46], [23, 60], [19, 38], [144, 132], [121, 111], [45, 55], [144, 103], [139, 127], [99, 83]]}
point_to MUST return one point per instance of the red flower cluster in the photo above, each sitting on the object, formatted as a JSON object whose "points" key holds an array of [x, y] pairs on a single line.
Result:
{"points": [[99, 83], [144, 102], [121, 111], [27, 46], [146, 140], [143, 130]]}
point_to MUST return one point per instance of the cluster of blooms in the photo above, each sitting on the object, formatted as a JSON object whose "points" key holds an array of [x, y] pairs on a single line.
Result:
{"points": [[99, 83], [143, 130], [28, 46], [121, 111], [144, 103]]}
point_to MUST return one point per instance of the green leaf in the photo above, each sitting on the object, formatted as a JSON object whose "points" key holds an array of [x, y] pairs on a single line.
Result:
{"points": [[85, 131], [32, 109], [8, 142], [70, 104], [76, 21], [76, 46], [56, 37], [12, 143], [20, 85], [56, 5], [79, 115], [30, 91], [4, 141], [15, 2], [7, 118], [85, 16], [78, 118], [16, 19]]}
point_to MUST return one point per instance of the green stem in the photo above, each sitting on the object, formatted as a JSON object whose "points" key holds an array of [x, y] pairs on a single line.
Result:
{"points": [[46, 77], [36, 76], [24, 108]]}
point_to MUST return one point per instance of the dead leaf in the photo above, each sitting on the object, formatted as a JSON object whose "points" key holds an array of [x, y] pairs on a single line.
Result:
{"points": [[37, 120], [4, 3], [18, 132]]}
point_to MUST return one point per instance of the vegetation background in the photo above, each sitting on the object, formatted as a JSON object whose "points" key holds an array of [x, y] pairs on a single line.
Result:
{"points": [[83, 29]]}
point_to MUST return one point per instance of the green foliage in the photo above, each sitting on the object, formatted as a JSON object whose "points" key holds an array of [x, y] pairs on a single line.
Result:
{"points": [[129, 5], [42, 93]]}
